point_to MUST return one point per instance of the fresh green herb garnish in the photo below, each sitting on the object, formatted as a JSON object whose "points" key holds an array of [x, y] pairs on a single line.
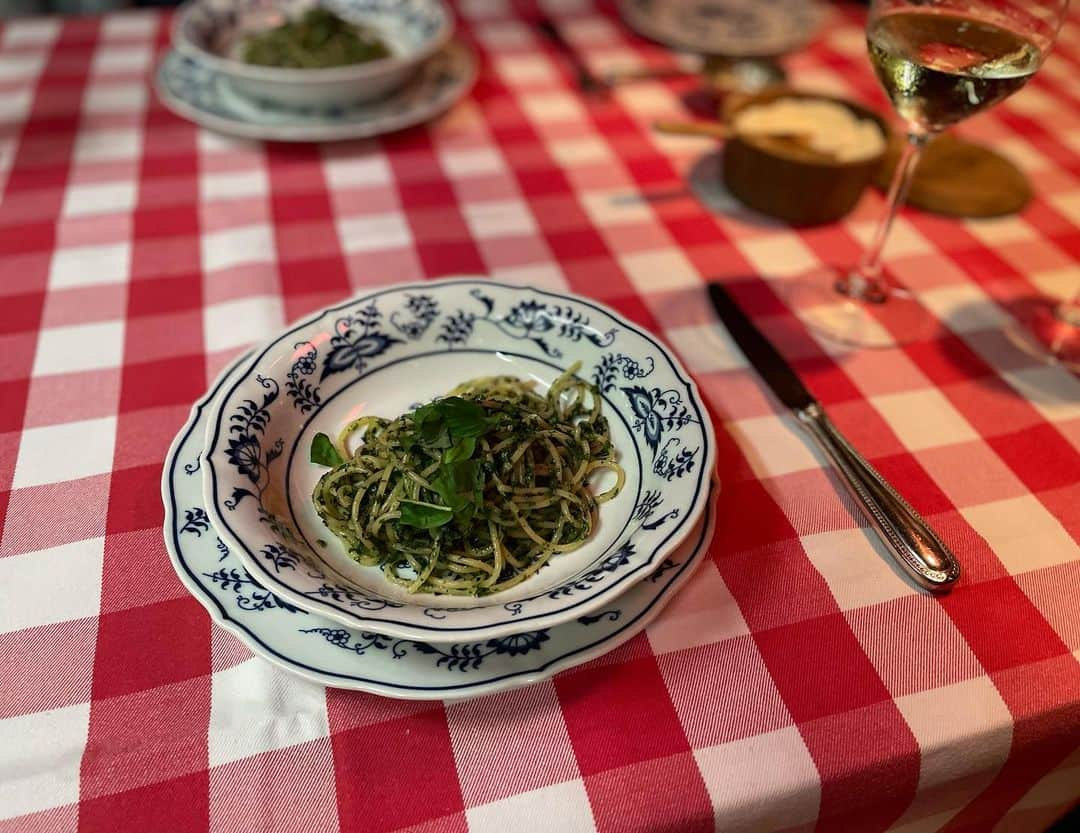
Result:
{"points": [[424, 515], [452, 417], [463, 417], [463, 449], [323, 451], [448, 429], [456, 483], [439, 495]]}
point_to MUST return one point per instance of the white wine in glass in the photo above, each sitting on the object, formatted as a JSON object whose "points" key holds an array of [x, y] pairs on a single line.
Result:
{"points": [[939, 61], [940, 68]]}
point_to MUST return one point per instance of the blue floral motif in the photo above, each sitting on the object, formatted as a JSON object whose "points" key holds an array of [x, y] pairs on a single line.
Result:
{"points": [[656, 412], [665, 565], [194, 466], [298, 386], [347, 595], [613, 364], [281, 557], [667, 516], [250, 595], [238, 495], [358, 338], [586, 580], [224, 550], [529, 320], [647, 507], [593, 618], [674, 461], [468, 656], [519, 643], [359, 644], [245, 452], [422, 311], [463, 656], [247, 427], [195, 521], [457, 329]]}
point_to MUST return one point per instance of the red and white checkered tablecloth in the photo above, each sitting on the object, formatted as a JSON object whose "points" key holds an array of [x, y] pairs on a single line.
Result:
{"points": [[796, 684]]}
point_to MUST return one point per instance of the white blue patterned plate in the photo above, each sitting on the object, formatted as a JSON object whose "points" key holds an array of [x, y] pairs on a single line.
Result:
{"points": [[322, 650], [732, 28], [205, 96], [388, 351]]}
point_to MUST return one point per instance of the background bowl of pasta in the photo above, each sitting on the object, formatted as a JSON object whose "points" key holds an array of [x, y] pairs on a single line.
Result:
{"points": [[458, 458], [219, 34]]}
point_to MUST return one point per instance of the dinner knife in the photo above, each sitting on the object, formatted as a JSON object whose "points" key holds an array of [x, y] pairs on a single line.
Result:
{"points": [[586, 81], [907, 536]]}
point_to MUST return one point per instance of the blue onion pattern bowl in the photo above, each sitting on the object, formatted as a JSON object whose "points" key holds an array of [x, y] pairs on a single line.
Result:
{"points": [[387, 351], [322, 650], [212, 31]]}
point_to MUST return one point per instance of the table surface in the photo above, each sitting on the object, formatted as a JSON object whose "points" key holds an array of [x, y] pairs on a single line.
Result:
{"points": [[796, 683]]}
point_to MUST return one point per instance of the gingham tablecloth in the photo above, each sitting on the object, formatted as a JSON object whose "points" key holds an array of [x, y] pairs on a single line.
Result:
{"points": [[795, 684]]}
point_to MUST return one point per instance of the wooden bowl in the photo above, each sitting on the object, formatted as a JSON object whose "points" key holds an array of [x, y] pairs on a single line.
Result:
{"points": [[791, 182]]}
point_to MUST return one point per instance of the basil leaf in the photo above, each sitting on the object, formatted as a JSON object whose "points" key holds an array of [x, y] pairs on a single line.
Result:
{"points": [[460, 475], [442, 438], [432, 429], [456, 484], [463, 417], [461, 450], [433, 432], [465, 514], [323, 451], [424, 515], [428, 421], [441, 423], [423, 413]]}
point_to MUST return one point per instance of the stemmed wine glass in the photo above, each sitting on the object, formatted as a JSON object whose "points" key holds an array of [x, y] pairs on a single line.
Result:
{"points": [[940, 61]]}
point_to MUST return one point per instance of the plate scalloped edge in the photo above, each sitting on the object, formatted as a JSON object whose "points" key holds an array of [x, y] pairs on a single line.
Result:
{"points": [[237, 126], [341, 649], [361, 611]]}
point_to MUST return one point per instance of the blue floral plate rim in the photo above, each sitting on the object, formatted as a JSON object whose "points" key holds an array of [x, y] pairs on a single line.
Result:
{"points": [[312, 582], [180, 81], [320, 650]]}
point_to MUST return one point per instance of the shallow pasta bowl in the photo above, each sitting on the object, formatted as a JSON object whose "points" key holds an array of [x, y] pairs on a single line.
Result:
{"points": [[385, 352], [212, 32], [327, 653]]}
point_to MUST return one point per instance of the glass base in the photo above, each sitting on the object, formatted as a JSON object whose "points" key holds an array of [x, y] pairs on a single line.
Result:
{"points": [[1044, 333], [877, 322]]}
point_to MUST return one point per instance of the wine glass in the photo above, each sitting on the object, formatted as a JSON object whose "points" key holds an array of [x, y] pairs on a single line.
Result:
{"points": [[939, 61]]}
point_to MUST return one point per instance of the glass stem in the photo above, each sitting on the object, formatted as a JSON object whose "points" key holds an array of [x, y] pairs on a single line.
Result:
{"points": [[864, 282]]}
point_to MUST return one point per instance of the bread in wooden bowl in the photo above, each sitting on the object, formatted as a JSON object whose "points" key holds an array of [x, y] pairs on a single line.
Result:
{"points": [[801, 157]]}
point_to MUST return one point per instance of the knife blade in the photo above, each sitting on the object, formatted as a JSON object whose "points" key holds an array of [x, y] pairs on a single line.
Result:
{"points": [[586, 81], [914, 546], [759, 351]]}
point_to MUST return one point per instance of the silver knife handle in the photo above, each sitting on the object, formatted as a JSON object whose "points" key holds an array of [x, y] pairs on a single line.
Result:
{"points": [[909, 538]]}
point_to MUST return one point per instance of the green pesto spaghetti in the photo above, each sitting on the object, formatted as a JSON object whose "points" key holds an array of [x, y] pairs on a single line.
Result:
{"points": [[474, 492], [317, 40]]}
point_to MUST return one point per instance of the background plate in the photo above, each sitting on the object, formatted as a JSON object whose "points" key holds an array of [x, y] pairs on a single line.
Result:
{"points": [[203, 95]]}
